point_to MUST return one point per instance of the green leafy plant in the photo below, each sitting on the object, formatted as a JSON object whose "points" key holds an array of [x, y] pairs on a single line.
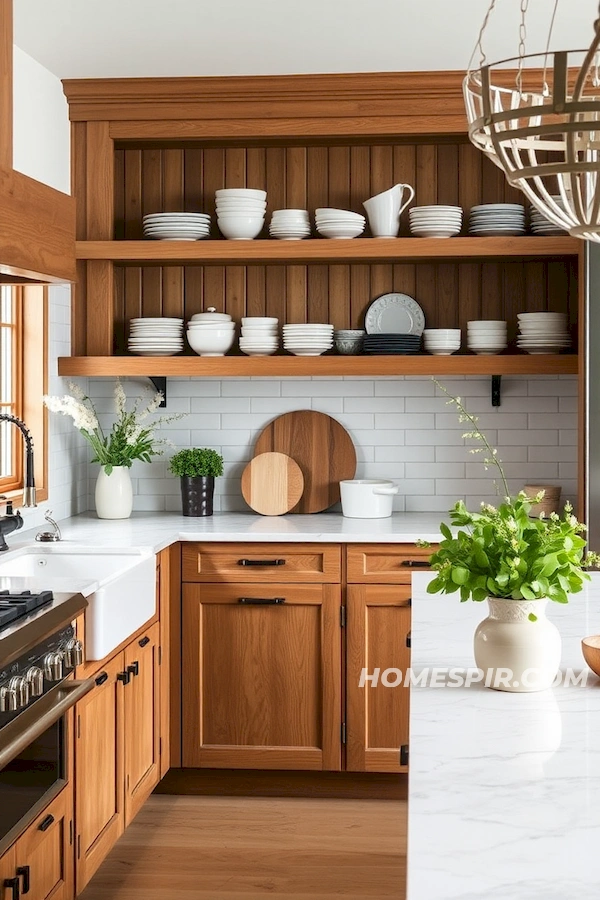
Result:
{"points": [[131, 435], [196, 463], [502, 551]]}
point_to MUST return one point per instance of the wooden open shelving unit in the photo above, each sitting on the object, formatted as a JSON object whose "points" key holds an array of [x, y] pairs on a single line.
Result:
{"points": [[306, 252], [290, 366]]}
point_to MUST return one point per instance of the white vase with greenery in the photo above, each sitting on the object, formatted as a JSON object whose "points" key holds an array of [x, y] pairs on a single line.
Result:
{"points": [[130, 437], [517, 563]]}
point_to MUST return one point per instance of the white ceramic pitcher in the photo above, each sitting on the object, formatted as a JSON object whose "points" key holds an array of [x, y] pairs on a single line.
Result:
{"points": [[384, 210]]}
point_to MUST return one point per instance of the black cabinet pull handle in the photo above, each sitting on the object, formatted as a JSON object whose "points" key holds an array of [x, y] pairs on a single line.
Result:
{"points": [[144, 641], [261, 562], [102, 677], [262, 601], [125, 677], [14, 884], [415, 563], [46, 823], [134, 668], [23, 871]]}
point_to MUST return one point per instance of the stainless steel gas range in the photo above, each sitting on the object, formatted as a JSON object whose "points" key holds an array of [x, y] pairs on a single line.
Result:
{"points": [[38, 654]]}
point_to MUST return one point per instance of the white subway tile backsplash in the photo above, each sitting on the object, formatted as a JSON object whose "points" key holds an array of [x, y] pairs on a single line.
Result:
{"points": [[401, 430]]}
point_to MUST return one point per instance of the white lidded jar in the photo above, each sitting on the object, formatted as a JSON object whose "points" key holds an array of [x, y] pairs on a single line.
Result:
{"points": [[114, 494], [367, 498], [515, 652]]}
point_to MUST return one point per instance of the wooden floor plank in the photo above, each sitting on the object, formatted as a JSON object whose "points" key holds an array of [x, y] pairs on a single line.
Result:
{"points": [[233, 848]]}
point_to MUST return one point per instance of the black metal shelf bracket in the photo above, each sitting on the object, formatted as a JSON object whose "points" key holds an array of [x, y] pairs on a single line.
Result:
{"points": [[160, 383], [496, 389]]}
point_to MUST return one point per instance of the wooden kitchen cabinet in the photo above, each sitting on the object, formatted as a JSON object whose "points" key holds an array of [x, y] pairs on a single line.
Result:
{"points": [[262, 682], [99, 776], [8, 871], [262, 563], [386, 563], [378, 625], [141, 721]]}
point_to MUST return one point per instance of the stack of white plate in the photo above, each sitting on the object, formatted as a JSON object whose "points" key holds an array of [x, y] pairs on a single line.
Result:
{"points": [[543, 332], [441, 341], [211, 333], [339, 223], [176, 226], [159, 336], [435, 221], [289, 224], [543, 226], [487, 337], [241, 213], [307, 340], [259, 336], [497, 219]]}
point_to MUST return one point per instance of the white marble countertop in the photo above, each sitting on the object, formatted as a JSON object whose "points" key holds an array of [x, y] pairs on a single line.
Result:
{"points": [[159, 530], [504, 789]]}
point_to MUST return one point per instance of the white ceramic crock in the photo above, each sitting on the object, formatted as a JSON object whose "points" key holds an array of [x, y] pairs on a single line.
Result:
{"points": [[367, 498], [114, 494], [508, 643]]}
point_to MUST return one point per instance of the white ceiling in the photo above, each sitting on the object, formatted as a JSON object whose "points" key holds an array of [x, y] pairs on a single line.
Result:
{"points": [[119, 38]]}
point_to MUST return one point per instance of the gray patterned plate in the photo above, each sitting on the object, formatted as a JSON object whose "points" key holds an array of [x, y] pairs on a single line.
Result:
{"points": [[394, 314]]}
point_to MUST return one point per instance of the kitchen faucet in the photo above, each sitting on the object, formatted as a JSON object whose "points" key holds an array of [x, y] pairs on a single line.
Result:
{"points": [[11, 521]]}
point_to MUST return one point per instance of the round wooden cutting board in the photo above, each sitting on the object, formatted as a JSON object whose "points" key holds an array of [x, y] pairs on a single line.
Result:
{"points": [[272, 484], [322, 448]]}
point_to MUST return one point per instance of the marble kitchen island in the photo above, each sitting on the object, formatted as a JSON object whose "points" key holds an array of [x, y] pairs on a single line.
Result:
{"points": [[504, 789]]}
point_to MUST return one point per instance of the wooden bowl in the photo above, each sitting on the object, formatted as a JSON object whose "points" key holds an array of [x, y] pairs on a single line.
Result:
{"points": [[590, 647]]}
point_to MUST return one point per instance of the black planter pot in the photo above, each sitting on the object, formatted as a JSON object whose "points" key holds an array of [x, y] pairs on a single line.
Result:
{"points": [[197, 495]]}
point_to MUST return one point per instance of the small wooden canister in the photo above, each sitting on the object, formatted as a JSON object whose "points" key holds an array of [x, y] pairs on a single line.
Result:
{"points": [[551, 501]]}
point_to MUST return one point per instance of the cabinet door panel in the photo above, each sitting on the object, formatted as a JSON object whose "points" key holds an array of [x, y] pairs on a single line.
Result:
{"points": [[378, 716], [261, 563], [8, 870], [262, 683], [48, 851], [141, 721], [99, 771], [386, 563]]}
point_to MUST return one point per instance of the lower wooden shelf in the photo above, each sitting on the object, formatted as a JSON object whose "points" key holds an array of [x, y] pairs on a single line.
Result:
{"points": [[290, 366]]}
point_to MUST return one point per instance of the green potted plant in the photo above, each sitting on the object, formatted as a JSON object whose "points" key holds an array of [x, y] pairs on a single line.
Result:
{"points": [[197, 470], [517, 563]]}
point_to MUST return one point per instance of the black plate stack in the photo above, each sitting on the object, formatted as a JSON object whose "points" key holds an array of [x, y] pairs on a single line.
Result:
{"points": [[391, 344]]}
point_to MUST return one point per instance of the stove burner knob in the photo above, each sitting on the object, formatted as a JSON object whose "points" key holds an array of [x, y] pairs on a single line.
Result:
{"points": [[53, 666], [8, 700], [20, 688], [35, 680], [73, 653]]}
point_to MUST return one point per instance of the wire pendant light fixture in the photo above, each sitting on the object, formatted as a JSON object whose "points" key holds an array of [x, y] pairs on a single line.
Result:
{"points": [[540, 125]]}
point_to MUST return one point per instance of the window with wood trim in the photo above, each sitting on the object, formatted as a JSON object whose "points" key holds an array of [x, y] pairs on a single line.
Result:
{"points": [[23, 364]]}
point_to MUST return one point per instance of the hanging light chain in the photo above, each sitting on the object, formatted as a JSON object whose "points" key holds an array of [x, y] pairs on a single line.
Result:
{"points": [[522, 39]]}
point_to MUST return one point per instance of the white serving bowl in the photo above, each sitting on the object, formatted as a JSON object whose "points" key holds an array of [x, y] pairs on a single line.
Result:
{"points": [[211, 315], [260, 320], [337, 233], [330, 212], [441, 333], [240, 228], [487, 323], [251, 193], [226, 205], [211, 342]]}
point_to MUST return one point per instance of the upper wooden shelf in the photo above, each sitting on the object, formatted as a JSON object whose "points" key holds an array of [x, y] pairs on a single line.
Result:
{"points": [[281, 366], [320, 250]]}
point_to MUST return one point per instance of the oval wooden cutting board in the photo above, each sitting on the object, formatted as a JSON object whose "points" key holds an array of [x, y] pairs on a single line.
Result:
{"points": [[272, 484], [322, 448]]}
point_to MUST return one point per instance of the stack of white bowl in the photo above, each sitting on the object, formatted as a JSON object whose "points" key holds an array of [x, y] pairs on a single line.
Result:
{"points": [[289, 224], [241, 213], [441, 341], [543, 332], [339, 223], [307, 340], [260, 336], [487, 337], [211, 333], [497, 220], [176, 226], [541, 225], [435, 221], [155, 336]]}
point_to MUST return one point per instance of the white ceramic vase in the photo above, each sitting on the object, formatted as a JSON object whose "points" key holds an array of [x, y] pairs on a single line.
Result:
{"points": [[114, 494], [515, 653]]}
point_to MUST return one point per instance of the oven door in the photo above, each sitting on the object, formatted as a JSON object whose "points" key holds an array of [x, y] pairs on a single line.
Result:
{"points": [[33, 758]]}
